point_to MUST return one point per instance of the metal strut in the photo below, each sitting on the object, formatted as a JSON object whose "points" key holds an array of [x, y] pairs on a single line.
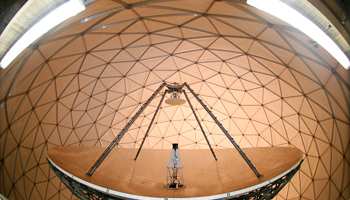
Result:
{"points": [[199, 123], [226, 133], [122, 132], [149, 127]]}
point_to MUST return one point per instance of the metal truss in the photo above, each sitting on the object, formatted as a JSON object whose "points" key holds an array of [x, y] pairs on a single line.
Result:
{"points": [[271, 190]]}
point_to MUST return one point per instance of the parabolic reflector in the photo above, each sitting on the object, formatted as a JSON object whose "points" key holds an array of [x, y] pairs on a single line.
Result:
{"points": [[121, 176]]}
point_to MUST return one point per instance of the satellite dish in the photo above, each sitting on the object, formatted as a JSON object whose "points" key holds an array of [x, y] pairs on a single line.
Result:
{"points": [[206, 178], [126, 179]]}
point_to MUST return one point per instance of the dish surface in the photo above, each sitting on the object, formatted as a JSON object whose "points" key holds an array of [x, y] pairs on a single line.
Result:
{"points": [[202, 174]]}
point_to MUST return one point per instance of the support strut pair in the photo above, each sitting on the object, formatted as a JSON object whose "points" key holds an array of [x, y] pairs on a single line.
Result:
{"points": [[143, 107]]}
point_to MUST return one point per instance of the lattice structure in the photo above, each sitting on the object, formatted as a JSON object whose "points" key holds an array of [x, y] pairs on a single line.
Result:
{"points": [[81, 83], [271, 190], [80, 190]]}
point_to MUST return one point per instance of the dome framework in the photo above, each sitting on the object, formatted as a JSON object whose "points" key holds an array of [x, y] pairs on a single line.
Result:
{"points": [[81, 83]]}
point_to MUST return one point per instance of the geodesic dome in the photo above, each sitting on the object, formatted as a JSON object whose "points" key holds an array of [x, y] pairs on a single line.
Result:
{"points": [[79, 85]]}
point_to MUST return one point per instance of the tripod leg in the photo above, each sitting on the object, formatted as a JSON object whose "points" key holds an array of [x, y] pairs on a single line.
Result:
{"points": [[199, 123], [122, 132], [226, 133], [149, 127]]}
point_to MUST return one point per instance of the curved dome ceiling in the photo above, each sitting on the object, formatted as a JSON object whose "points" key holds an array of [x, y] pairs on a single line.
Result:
{"points": [[81, 83]]}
